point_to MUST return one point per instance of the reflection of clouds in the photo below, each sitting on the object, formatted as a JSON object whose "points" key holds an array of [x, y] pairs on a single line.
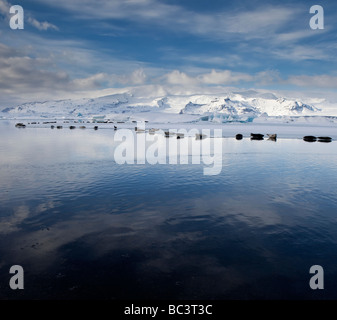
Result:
{"points": [[45, 206], [252, 212], [216, 247], [108, 229], [44, 159], [174, 219], [160, 253], [139, 229], [232, 208], [204, 276], [9, 224], [39, 146]]}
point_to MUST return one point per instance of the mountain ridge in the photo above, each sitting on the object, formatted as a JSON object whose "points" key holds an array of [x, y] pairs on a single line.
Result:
{"points": [[228, 106]]}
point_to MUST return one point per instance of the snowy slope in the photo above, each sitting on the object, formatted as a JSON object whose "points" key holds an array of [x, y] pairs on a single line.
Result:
{"points": [[226, 107]]}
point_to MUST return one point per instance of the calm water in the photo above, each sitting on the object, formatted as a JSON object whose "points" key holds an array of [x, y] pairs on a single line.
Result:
{"points": [[83, 226]]}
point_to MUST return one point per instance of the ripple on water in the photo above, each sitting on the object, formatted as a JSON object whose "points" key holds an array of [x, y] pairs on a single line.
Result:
{"points": [[263, 221]]}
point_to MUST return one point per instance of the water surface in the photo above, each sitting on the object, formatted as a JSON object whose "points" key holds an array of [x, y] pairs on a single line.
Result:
{"points": [[83, 226]]}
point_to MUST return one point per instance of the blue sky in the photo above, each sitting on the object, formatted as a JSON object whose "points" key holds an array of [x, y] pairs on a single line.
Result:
{"points": [[75, 48]]}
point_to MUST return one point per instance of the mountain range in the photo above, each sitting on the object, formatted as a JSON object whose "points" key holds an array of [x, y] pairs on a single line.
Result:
{"points": [[231, 106]]}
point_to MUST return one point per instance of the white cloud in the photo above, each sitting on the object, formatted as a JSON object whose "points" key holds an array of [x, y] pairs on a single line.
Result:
{"points": [[99, 80], [137, 77], [22, 74], [224, 77], [316, 81], [6, 52], [265, 28], [4, 7], [180, 78], [89, 83], [272, 31], [303, 52], [294, 36], [118, 9], [267, 77], [42, 26], [263, 22], [25, 76]]}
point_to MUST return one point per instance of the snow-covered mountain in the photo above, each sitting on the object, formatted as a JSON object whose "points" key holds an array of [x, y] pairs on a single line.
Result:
{"points": [[232, 106]]}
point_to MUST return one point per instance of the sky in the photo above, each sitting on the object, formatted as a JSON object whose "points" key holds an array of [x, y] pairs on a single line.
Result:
{"points": [[87, 48]]}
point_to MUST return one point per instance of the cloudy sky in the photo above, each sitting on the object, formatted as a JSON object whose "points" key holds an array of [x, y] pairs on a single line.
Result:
{"points": [[84, 47]]}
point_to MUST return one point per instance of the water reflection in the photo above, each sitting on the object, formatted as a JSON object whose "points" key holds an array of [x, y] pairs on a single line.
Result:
{"points": [[83, 226]]}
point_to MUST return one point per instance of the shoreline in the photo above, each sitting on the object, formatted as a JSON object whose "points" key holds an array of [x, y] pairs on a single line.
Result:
{"points": [[294, 130]]}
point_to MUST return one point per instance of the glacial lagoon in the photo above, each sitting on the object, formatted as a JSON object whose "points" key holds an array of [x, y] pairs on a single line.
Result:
{"points": [[85, 227]]}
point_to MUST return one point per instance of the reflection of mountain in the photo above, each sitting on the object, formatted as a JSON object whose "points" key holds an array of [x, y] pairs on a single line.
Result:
{"points": [[231, 106]]}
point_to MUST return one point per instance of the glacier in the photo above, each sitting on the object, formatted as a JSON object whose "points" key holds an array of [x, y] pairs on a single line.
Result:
{"points": [[244, 106]]}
